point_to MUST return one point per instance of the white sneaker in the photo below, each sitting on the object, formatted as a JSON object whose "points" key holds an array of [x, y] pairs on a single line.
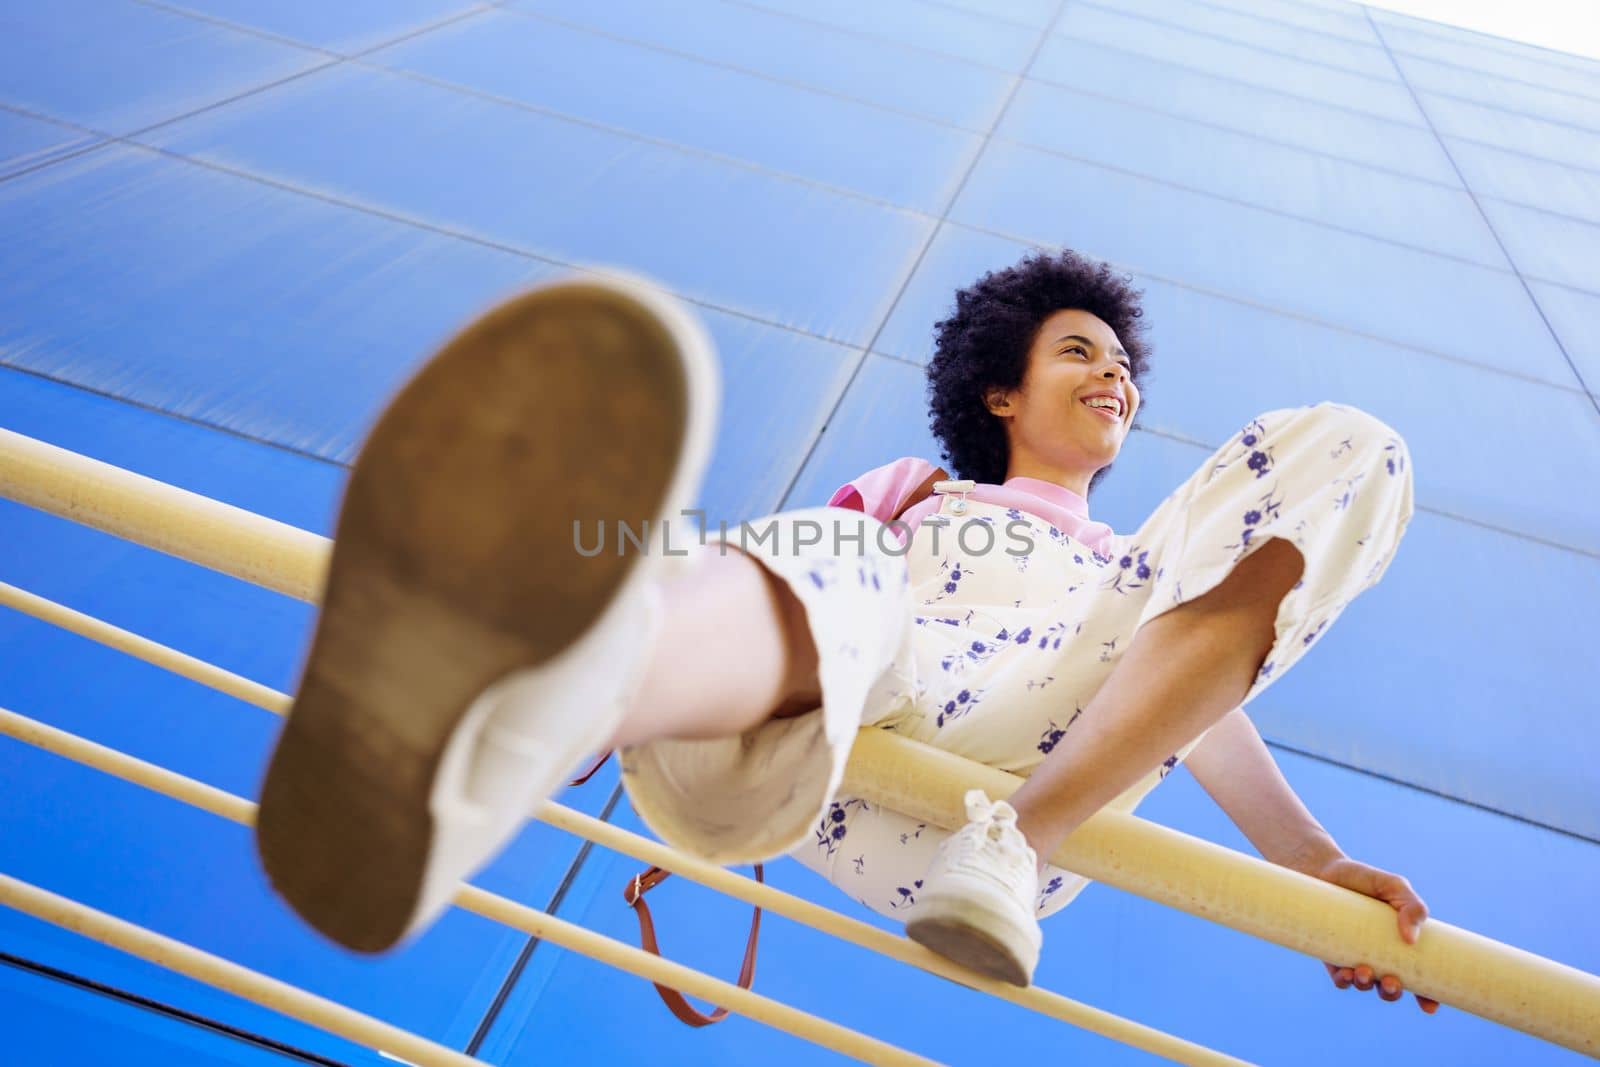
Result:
{"points": [[976, 905], [468, 654]]}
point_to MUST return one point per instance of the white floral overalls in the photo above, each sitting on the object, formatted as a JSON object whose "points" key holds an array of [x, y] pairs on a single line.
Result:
{"points": [[991, 651]]}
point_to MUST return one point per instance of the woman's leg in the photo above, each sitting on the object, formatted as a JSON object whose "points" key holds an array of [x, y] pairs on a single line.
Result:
{"points": [[735, 650], [1184, 671]]}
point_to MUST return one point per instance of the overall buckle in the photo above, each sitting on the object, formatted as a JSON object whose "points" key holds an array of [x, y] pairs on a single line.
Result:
{"points": [[961, 486]]}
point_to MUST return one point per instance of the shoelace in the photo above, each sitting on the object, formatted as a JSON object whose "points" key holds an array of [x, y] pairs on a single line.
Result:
{"points": [[991, 828]]}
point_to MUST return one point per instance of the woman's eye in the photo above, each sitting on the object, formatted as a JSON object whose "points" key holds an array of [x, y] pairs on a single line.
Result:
{"points": [[1085, 352]]}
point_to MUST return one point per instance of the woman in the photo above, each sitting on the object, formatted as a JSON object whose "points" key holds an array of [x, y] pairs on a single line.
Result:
{"points": [[478, 634]]}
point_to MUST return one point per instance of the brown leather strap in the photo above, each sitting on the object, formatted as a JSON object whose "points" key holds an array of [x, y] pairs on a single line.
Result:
{"points": [[634, 893], [590, 773]]}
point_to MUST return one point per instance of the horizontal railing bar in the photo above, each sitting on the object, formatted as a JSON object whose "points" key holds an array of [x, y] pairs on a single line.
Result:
{"points": [[768, 898], [1452, 965], [152, 513], [605, 834], [1449, 964], [546, 927], [152, 652], [228, 976]]}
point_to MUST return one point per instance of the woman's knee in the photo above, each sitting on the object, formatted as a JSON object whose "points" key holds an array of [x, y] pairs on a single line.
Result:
{"points": [[1348, 421], [1343, 433]]}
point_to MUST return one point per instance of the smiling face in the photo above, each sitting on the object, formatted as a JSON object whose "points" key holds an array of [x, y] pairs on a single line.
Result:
{"points": [[1055, 436]]}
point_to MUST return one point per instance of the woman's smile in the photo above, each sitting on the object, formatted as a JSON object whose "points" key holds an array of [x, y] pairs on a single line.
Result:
{"points": [[1105, 413]]}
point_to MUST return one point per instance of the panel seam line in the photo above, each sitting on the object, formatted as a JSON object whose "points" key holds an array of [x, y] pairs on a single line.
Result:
{"points": [[1576, 374], [1019, 77]]}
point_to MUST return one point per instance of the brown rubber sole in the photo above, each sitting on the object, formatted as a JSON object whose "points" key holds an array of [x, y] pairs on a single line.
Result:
{"points": [[454, 563], [970, 947]]}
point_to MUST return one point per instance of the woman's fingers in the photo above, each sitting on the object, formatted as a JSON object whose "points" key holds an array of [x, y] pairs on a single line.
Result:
{"points": [[1412, 913], [1389, 987]]}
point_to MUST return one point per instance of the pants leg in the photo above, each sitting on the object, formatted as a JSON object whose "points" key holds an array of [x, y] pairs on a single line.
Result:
{"points": [[878, 856], [1329, 478], [754, 796]]}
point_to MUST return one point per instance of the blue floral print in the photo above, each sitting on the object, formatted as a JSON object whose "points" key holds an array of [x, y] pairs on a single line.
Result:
{"points": [[823, 572], [976, 654], [1002, 660], [958, 706], [1048, 638], [834, 827], [1260, 461], [1052, 634], [1054, 733], [1131, 573], [906, 896], [1396, 461], [952, 583], [1266, 512], [1346, 498]]}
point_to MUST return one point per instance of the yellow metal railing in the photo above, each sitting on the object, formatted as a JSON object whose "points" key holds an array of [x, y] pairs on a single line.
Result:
{"points": [[601, 833], [1454, 966]]}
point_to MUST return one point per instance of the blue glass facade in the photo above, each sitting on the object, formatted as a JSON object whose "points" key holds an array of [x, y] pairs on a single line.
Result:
{"points": [[229, 229]]}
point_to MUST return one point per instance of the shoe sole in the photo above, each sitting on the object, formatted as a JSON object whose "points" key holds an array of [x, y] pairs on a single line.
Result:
{"points": [[960, 941], [454, 563]]}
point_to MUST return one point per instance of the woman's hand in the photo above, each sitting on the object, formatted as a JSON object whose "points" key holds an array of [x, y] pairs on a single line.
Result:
{"points": [[1411, 912]]}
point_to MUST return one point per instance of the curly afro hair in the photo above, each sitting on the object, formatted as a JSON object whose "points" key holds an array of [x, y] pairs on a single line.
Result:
{"points": [[986, 342]]}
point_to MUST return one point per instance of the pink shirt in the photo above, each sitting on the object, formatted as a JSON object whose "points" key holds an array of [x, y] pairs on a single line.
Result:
{"points": [[881, 491]]}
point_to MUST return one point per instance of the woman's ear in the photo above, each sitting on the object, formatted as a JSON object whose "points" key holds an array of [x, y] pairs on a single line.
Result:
{"points": [[998, 401]]}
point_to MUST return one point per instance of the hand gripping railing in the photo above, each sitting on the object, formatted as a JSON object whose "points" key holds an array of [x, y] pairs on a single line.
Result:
{"points": [[1454, 966]]}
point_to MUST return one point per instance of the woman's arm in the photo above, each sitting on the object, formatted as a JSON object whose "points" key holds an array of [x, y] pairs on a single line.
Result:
{"points": [[1235, 767], [1233, 764]]}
